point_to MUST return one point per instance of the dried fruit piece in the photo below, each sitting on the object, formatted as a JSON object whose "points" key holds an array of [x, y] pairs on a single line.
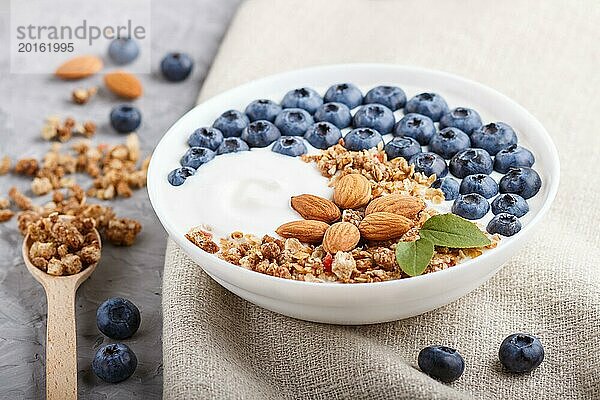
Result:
{"points": [[408, 206], [79, 67], [314, 207], [384, 225], [352, 191], [123, 84], [341, 236], [307, 231]]}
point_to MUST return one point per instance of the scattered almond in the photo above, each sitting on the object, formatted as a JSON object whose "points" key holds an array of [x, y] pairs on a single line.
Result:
{"points": [[352, 191], [314, 207], [408, 206], [123, 84], [307, 231], [384, 225], [79, 67], [341, 236]]}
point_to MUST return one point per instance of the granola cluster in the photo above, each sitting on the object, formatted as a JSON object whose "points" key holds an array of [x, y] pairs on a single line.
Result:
{"points": [[53, 129], [82, 96]]}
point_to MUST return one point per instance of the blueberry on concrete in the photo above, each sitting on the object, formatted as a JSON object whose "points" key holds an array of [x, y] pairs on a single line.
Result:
{"points": [[262, 109], [513, 156], [260, 133], [362, 139], [211, 138], [231, 123], [335, 113], [114, 362], [504, 224], [179, 175], [323, 135], [442, 363], [430, 104], [449, 186], [416, 126], [392, 97], [448, 142], [292, 146], [482, 184], [429, 163], [125, 118], [521, 352], [465, 119], [402, 147], [123, 50], [345, 93], [471, 162], [293, 122], [470, 206], [118, 318], [176, 67], [494, 137], [375, 116], [232, 145], [511, 204], [523, 181], [306, 98], [196, 156]]}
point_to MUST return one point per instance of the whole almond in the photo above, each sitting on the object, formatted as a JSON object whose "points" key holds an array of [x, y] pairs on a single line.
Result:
{"points": [[307, 231], [341, 236], [123, 84], [408, 206], [79, 67], [352, 191], [384, 225], [315, 207]]}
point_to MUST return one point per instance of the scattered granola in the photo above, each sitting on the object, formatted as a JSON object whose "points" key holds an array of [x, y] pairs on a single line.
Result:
{"points": [[202, 239], [5, 165], [82, 96], [53, 129]]}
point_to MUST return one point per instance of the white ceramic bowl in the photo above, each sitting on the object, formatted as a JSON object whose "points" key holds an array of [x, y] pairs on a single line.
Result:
{"points": [[368, 302]]}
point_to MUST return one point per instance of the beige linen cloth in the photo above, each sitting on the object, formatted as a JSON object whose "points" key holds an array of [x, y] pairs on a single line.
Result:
{"points": [[546, 56]]}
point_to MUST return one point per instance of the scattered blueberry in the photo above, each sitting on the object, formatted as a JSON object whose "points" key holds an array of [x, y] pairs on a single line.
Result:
{"points": [[375, 116], [335, 113], [290, 146], [465, 119], [211, 138], [504, 224], [262, 109], [362, 139], [123, 50], [125, 118], [323, 135], [305, 98], [481, 184], [523, 181], [494, 137], [179, 175], [231, 123], [118, 318], [260, 133], [521, 352], [513, 156], [176, 67], [471, 162], [114, 362], [293, 122], [429, 163], [442, 363], [232, 145], [430, 104], [448, 142], [416, 126], [345, 93], [196, 156], [470, 206], [402, 147], [511, 204], [449, 186], [392, 97]]}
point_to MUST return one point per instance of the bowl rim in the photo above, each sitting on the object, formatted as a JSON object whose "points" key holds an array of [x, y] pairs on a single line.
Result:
{"points": [[190, 248]]}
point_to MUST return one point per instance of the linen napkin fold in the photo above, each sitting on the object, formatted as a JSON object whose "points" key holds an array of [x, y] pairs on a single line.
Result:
{"points": [[542, 54]]}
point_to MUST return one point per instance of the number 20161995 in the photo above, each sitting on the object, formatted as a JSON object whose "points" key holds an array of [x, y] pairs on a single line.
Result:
{"points": [[43, 47]]}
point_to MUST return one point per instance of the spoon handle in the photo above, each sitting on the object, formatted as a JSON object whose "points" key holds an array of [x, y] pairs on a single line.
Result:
{"points": [[61, 342]]}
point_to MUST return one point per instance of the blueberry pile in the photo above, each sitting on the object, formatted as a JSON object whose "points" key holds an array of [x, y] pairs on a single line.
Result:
{"points": [[431, 136]]}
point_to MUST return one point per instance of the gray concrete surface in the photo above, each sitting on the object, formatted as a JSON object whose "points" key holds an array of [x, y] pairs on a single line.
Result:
{"points": [[194, 26]]}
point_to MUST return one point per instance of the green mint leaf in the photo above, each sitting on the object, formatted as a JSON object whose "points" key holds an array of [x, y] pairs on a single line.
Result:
{"points": [[413, 257], [452, 231]]}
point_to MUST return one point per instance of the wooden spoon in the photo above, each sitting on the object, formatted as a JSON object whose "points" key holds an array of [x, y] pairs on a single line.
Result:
{"points": [[61, 336]]}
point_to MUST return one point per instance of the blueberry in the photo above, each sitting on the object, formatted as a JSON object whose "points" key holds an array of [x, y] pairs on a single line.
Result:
{"points": [[323, 135], [176, 67], [471, 162], [305, 98], [470, 206], [263, 109], [118, 318], [231, 123], [260, 133], [211, 138], [481, 184], [179, 175], [511, 204], [504, 224], [123, 50], [293, 122], [125, 118], [442, 363], [375, 116], [523, 181], [290, 146], [465, 119], [416, 126], [392, 97], [430, 104], [448, 142], [335, 113], [494, 137], [114, 362], [429, 164], [345, 93], [521, 352], [362, 139], [513, 156], [449, 186], [402, 147], [232, 145], [196, 156]]}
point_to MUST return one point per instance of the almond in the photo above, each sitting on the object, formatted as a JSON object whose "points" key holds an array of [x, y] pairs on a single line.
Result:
{"points": [[341, 236], [315, 207], [307, 231], [123, 84], [352, 191], [79, 67], [384, 225], [408, 206]]}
